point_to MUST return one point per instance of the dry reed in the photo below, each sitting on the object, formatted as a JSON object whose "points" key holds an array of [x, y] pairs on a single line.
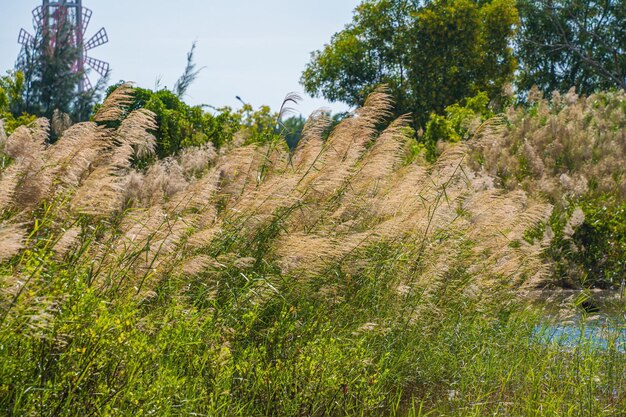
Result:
{"points": [[330, 198]]}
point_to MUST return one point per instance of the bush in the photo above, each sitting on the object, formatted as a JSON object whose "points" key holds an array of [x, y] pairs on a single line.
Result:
{"points": [[458, 122], [600, 241], [180, 125], [11, 87]]}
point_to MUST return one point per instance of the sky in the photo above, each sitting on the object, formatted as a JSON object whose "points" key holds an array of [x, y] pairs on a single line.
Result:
{"points": [[255, 49]]}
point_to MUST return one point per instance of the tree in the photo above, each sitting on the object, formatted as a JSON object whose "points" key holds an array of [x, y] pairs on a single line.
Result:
{"points": [[52, 79], [565, 43], [430, 54]]}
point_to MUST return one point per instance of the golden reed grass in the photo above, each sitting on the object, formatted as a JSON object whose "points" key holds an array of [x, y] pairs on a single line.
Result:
{"points": [[331, 197]]}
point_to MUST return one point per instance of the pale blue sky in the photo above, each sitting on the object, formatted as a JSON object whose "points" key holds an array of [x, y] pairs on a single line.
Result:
{"points": [[256, 49]]}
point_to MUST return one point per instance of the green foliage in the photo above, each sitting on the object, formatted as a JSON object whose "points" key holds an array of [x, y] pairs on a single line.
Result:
{"points": [[431, 54], [600, 241], [11, 88], [566, 43], [259, 126], [456, 124], [51, 79], [181, 125], [461, 48], [438, 128], [591, 253], [293, 130]]}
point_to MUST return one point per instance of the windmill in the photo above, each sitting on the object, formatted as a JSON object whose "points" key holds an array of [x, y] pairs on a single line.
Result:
{"points": [[49, 17]]}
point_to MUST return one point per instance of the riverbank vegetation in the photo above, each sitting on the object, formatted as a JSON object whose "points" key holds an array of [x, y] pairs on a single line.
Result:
{"points": [[346, 277], [162, 259]]}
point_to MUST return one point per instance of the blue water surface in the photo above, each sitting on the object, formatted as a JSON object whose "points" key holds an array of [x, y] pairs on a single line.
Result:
{"points": [[599, 334]]}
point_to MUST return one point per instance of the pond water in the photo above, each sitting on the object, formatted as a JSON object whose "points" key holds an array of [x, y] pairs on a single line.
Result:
{"points": [[601, 333], [593, 318]]}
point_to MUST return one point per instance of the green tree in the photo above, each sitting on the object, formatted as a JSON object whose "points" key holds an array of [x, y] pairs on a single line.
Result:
{"points": [[430, 54], [566, 43], [51, 80]]}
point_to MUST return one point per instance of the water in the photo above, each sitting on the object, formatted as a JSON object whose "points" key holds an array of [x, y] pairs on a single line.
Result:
{"points": [[597, 334], [604, 330]]}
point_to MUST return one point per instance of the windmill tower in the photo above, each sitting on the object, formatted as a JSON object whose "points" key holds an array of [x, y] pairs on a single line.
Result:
{"points": [[47, 21]]}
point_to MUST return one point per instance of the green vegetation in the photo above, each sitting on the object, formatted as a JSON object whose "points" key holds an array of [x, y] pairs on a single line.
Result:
{"points": [[11, 87], [339, 279], [430, 54], [570, 151], [162, 260], [180, 126], [567, 43], [601, 241], [459, 123], [293, 127]]}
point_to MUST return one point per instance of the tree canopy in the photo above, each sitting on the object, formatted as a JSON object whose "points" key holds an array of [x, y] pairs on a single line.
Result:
{"points": [[430, 54], [567, 43], [52, 77]]}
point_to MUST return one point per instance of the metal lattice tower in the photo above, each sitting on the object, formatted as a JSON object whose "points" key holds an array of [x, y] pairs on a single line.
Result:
{"points": [[47, 19]]}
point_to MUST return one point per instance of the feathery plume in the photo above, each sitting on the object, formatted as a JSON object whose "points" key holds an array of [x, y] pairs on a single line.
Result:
{"points": [[12, 238], [115, 105], [3, 134], [310, 145], [134, 131], [9, 178]]}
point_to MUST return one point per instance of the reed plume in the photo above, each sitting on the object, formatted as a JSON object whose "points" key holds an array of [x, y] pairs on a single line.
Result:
{"points": [[323, 205], [12, 238]]}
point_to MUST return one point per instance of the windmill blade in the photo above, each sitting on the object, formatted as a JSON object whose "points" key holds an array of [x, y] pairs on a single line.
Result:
{"points": [[98, 66], [86, 19], [98, 39], [86, 83], [25, 39], [38, 17]]}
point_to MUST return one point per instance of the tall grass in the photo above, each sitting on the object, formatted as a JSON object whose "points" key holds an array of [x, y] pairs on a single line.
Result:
{"points": [[570, 151], [563, 147], [337, 280]]}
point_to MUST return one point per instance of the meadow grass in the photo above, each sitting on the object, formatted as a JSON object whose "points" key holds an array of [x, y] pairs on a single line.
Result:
{"points": [[341, 279]]}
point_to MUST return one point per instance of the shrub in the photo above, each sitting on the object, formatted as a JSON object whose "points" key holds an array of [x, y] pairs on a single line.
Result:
{"points": [[180, 126], [600, 241], [11, 87], [458, 122]]}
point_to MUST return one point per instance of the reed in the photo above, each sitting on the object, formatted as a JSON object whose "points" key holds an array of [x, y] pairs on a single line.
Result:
{"points": [[337, 280]]}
